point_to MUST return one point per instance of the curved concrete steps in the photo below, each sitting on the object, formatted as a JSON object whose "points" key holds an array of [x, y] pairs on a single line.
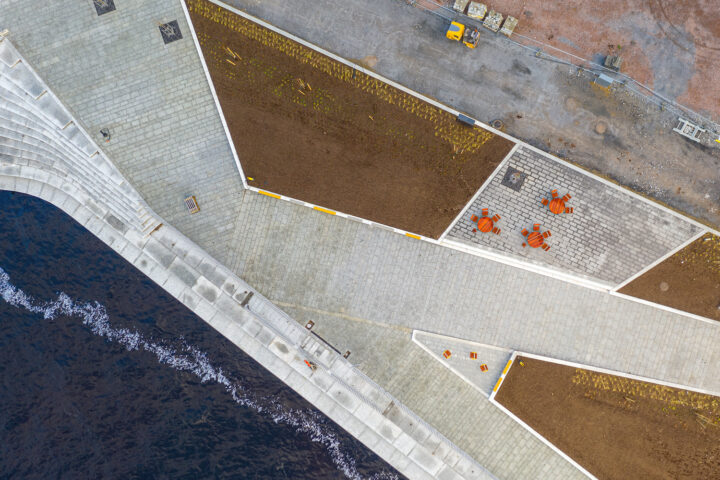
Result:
{"points": [[38, 132]]}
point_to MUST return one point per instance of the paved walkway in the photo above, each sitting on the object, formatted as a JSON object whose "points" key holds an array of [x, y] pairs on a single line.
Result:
{"points": [[310, 259], [44, 153], [610, 236]]}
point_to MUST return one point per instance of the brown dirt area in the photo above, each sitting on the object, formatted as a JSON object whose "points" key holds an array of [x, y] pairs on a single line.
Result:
{"points": [[662, 42], [311, 128], [615, 427], [689, 280]]}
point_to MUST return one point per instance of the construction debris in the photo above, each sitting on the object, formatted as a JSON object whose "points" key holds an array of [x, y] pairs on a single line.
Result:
{"points": [[477, 10], [509, 26], [493, 20]]}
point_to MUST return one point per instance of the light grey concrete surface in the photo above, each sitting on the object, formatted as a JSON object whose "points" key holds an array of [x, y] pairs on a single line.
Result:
{"points": [[43, 163], [609, 237], [166, 134], [321, 263], [542, 102]]}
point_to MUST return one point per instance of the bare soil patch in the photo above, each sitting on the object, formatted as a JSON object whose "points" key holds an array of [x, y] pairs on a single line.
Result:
{"points": [[313, 129], [669, 45], [615, 427], [688, 280]]}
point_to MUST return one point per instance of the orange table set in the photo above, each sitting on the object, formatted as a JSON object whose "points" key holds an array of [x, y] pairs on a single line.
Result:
{"points": [[557, 205], [536, 238], [485, 223]]}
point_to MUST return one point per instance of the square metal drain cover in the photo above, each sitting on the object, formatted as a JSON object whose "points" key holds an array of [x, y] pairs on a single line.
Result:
{"points": [[170, 31], [104, 6], [514, 179]]}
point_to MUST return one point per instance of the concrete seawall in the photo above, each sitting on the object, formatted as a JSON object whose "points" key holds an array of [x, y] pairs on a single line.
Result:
{"points": [[45, 153]]}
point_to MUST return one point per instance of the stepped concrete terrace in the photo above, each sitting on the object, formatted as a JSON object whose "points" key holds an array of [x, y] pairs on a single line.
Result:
{"points": [[365, 288]]}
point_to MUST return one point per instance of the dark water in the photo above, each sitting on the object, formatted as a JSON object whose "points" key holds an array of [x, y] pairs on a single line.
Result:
{"points": [[104, 375]]}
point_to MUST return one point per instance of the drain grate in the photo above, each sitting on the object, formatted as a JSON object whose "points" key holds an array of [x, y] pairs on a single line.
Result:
{"points": [[104, 6], [514, 179], [170, 31], [192, 204]]}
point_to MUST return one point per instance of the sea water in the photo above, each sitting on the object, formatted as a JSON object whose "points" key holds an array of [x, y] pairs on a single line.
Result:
{"points": [[104, 375]]}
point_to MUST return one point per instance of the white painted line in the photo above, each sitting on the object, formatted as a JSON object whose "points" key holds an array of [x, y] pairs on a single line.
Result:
{"points": [[532, 267], [661, 259], [477, 194], [214, 94], [617, 373], [666, 308]]}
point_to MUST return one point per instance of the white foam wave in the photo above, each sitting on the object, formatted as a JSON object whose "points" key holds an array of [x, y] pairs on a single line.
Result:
{"points": [[187, 358]]}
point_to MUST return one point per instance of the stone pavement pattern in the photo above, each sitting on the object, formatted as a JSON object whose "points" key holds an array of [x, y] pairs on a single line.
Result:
{"points": [[141, 98], [114, 71], [323, 263], [44, 153], [610, 236]]}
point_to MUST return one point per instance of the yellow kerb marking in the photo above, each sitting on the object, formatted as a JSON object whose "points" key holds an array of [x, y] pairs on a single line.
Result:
{"points": [[412, 236], [321, 209], [269, 194], [497, 385], [507, 367]]}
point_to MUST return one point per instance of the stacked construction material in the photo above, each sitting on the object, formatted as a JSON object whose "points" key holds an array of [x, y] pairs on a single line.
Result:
{"points": [[460, 5], [509, 25], [493, 20], [477, 10]]}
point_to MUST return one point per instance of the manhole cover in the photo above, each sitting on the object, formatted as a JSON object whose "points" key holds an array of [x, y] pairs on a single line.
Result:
{"points": [[514, 179], [170, 31], [104, 6]]}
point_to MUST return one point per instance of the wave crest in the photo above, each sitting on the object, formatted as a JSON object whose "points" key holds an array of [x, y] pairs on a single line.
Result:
{"points": [[188, 358]]}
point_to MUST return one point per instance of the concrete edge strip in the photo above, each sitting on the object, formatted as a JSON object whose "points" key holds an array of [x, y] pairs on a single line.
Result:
{"points": [[530, 429], [480, 190], [454, 112], [214, 94], [660, 306], [661, 259], [531, 267], [446, 364], [132, 252]]}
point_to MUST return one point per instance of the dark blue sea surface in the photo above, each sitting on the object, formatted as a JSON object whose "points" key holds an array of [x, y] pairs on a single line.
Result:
{"points": [[104, 375]]}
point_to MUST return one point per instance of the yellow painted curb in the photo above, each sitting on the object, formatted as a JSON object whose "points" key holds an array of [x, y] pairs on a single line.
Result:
{"points": [[321, 209], [507, 367], [497, 385], [412, 236], [269, 194]]}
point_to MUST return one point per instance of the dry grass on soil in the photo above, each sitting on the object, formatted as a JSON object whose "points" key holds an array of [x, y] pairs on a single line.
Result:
{"points": [[688, 280], [314, 129], [615, 427]]}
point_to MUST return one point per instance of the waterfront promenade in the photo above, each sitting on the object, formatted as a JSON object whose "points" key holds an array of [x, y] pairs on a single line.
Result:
{"points": [[365, 288]]}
